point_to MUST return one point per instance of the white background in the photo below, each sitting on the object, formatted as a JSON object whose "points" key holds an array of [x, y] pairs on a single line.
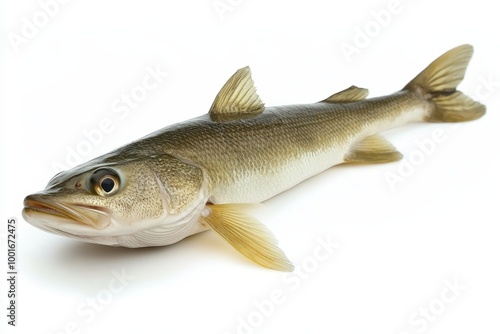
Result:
{"points": [[397, 246]]}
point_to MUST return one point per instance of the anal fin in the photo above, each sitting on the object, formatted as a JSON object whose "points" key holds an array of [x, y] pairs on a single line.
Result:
{"points": [[372, 149], [247, 235]]}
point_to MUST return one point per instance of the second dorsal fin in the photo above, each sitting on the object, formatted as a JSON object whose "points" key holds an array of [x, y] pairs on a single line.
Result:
{"points": [[350, 94], [238, 96]]}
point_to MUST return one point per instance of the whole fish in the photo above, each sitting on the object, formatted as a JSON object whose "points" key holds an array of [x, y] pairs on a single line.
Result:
{"points": [[203, 173]]}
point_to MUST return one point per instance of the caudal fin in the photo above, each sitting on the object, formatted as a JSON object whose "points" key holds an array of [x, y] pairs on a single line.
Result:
{"points": [[438, 83]]}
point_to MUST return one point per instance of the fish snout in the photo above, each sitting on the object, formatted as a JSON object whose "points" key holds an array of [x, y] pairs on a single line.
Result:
{"points": [[42, 207]]}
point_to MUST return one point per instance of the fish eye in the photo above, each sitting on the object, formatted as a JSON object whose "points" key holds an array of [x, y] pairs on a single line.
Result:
{"points": [[105, 182]]}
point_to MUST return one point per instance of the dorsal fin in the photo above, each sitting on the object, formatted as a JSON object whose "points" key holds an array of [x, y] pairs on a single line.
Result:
{"points": [[350, 94], [238, 96]]}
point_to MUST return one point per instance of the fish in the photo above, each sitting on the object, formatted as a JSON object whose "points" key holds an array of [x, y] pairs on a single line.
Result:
{"points": [[209, 172]]}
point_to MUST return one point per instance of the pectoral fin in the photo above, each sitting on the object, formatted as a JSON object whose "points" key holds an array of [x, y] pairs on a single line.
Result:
{"points": [[245, 233], [372, 149]]}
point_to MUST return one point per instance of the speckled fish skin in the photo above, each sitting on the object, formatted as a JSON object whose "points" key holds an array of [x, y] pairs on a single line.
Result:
{"points": [[196, 175]]}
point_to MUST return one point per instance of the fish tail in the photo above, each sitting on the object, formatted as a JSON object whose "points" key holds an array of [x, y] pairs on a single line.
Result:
{"points": [[438, 83]]}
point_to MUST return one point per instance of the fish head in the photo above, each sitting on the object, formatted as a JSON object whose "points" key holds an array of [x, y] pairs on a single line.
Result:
{"points": [[135, 202]]}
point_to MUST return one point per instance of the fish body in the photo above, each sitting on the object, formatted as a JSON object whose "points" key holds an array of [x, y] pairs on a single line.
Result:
{"points": [[205, 172], [256, 158]]}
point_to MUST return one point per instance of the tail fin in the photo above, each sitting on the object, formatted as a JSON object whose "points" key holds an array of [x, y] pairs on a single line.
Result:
{"points": [[438, 83]]}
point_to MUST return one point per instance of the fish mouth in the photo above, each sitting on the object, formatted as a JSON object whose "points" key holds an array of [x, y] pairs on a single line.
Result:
{"points": [[42, 210]]}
